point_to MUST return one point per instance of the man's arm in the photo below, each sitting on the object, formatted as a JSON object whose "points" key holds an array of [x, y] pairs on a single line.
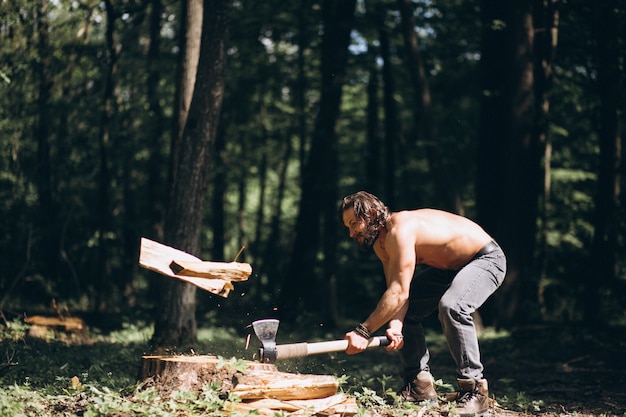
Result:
{"points": [[390, 306], [399, 267]]}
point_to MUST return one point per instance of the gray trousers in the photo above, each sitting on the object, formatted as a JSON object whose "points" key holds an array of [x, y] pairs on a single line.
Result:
{"points": [[456, 295]]}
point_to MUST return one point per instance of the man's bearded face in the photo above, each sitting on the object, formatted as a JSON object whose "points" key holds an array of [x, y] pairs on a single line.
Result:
{"points": [[365, 240]]}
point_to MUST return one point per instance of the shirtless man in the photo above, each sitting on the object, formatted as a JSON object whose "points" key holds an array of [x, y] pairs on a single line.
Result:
{"points": [[465, 266]]}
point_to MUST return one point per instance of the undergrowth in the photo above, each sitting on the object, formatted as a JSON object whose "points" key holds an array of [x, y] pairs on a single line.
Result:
{"points": [[94, 375], [97, 375]]}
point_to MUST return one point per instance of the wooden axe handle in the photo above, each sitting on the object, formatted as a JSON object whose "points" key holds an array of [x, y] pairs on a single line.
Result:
{"points": [[300, 350]]}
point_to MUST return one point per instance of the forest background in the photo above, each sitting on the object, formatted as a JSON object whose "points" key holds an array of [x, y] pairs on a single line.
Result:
{"points": [[510, 113]]}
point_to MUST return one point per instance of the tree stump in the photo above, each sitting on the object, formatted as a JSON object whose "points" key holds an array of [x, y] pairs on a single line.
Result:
{"points": [[261, 386], [260, 380]]}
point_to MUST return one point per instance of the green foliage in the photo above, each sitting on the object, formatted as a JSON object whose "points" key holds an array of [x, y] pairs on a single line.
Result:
{"points": [[521, 402], [86, 256], [99, 378], [52, 378], [233, 363]]}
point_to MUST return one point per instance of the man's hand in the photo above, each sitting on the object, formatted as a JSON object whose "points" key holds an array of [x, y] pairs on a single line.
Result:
{"points": [[396, 339], [394, 333], [356, 343]]}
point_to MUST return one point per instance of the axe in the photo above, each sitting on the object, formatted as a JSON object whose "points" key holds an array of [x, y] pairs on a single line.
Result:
{"points": [[270, 352]]}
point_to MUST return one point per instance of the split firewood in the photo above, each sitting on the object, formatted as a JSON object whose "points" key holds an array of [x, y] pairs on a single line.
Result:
{"points": [[68, 324], [45, 327], [284, 386], [232, 271], [338, 404], [316, 405], [215, 277]]}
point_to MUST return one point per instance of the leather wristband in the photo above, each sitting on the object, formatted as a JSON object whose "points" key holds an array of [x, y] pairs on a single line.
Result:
{"points": [[362, 331]]}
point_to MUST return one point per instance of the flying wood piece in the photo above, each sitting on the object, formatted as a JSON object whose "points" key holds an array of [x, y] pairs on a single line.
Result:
{"points": [[214, 277], [234, 271]]}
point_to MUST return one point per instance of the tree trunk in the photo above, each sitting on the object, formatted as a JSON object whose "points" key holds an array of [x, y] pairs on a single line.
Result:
{"points": [[423, 113], [507, 198], [242, 230], [156, 196], [271, 260], [189, 45], [48, 208], [301, 285], [546, 20], [102, 278], [218, 211], [603, 260], [176, 322], [390, 122], [257, 241], [301, 84], [373, 161]]}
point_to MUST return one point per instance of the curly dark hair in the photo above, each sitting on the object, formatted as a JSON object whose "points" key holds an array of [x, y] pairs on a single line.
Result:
{"points": [[363, 202]]}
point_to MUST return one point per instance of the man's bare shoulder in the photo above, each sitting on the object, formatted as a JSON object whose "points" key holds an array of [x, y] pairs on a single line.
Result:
{"points": [[439, 238], [416, 216], [407, 222], [433, 226]]}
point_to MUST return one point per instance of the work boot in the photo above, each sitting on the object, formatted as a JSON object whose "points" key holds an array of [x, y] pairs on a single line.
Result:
{"points": [[420, 389], [472, 400]]}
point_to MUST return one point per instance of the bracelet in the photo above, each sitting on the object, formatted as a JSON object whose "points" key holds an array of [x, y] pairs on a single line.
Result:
{"points": [[362, 331]]}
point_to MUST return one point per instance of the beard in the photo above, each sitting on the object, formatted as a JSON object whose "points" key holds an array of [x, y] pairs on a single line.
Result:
{"points": [[366, 240]]}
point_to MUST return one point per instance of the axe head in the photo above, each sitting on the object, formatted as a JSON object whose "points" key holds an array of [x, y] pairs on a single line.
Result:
{"points": [[265, 331]]}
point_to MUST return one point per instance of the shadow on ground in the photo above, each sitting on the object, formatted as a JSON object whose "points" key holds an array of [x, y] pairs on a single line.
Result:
{"points": [[561, 369]]}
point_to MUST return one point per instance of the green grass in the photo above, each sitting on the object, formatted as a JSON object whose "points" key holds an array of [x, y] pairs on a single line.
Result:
{"points": [[535, 371], [97, 376]]}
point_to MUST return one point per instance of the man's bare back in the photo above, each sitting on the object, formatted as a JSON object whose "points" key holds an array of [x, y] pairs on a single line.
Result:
{"points": [[441, 239]]}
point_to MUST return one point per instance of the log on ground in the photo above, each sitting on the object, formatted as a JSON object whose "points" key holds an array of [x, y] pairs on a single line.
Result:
{"points": [[335, 405], [260, 380], [284, 385], [68, 324]]}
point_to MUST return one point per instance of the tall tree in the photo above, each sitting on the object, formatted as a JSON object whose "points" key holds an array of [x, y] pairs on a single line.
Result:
{"points": [[218, 196], [546, 20], [157, 119], [374, 140], [48, 208], [189, 44], [301, 285], [609, 27], [507, 198], [175, 321], [105, 220], [423, 113], [391, 118]]}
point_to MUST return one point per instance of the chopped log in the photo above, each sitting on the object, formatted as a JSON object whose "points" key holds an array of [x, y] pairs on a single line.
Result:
{"points": [[267, 404], [335, 405], [347, 408], [260, 380], [232, 271], [68, 324], [322, 404], [284, 386], [214, 277]]}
